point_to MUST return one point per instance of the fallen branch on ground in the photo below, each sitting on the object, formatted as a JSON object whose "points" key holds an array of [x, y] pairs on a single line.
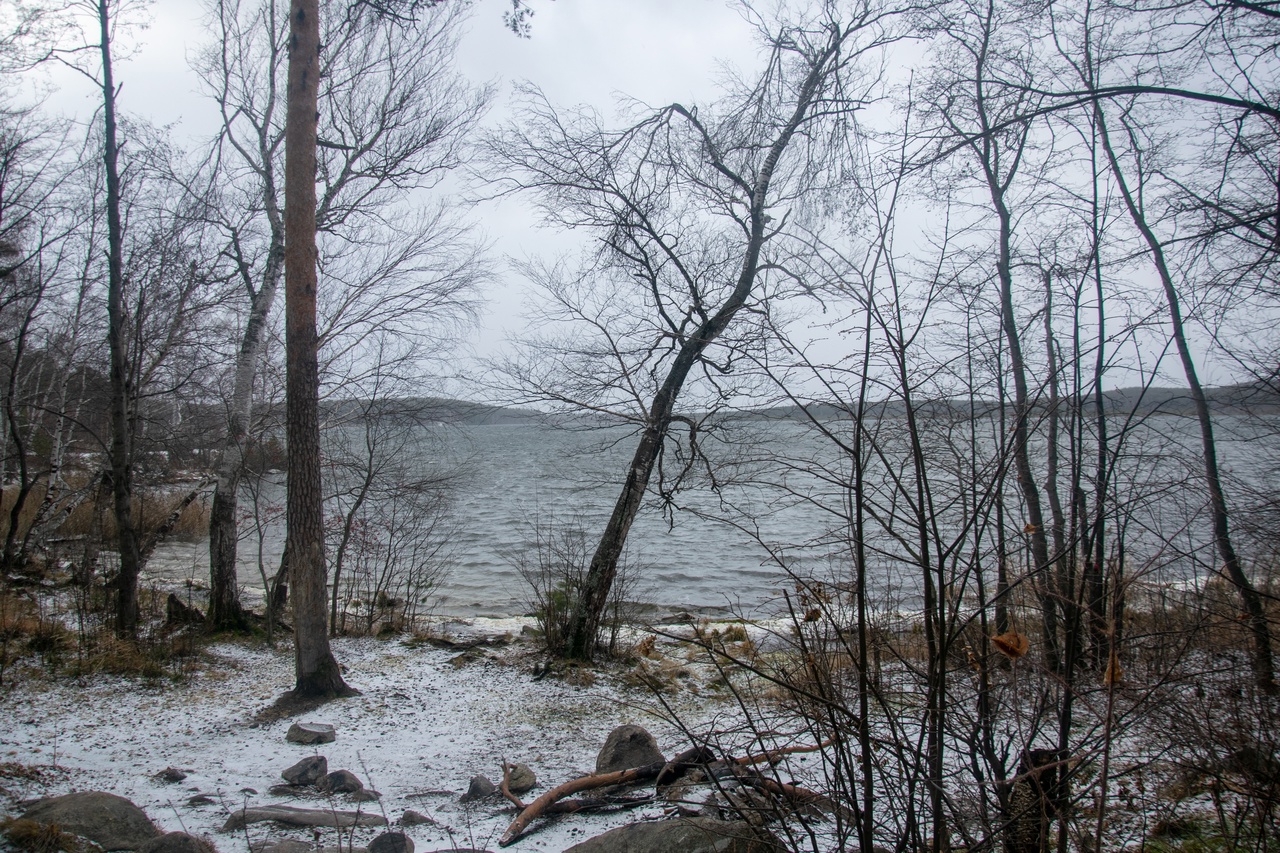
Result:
{"points": [[584, 783], [592, 804], [772, 756], [505, 787], [553, 801], [793, 794]]}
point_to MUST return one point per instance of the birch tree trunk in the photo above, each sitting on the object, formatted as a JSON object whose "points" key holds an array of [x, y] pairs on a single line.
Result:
{"points": [[225, 612]]}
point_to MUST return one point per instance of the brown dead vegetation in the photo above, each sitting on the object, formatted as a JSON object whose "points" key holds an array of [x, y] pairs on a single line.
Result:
{"points": [[36, 837], [76, 510]]}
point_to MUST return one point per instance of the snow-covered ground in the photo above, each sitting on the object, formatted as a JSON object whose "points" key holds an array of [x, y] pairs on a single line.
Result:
{"points": [[421, 729]]}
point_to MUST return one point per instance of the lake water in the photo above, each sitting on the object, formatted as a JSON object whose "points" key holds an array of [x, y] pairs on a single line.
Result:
{"points": [[522, 475], [515, 476]]}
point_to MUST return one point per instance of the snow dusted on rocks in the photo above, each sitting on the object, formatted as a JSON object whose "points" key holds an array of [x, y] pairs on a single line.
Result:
{"points": [[421, 729]]}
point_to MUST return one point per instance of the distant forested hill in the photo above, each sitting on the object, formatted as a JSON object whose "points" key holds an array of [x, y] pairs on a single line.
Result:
{"points": [[1248, 398]]}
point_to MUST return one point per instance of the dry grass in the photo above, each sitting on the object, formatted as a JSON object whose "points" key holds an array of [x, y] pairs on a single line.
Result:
{"points": [[75, 481], [18, 615], [27, 635], [150, 506], [40, 837], [25, 632], [18, 770]]}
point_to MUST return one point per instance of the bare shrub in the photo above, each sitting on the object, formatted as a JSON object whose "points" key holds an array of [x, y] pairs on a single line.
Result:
{"points": [[1225, 746], [395, 555], [554, 564]]}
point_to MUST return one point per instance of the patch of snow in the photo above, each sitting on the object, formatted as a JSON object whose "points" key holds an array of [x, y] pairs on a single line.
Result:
{"points": [[420, 730]]}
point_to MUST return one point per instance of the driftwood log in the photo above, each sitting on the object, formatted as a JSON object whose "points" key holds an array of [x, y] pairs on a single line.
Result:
{"points": [[554, 802], [598, 804], [541, 805]]}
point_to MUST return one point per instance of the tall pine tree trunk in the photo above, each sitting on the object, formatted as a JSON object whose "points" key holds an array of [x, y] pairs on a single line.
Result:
{"points": [[316, 670]]}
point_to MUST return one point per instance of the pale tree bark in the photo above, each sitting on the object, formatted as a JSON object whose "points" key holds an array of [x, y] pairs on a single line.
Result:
{"points": [[225, 611], [394, 115], [33, 222], [259, 153], [315, 668], [18, 435], [67, 403]]}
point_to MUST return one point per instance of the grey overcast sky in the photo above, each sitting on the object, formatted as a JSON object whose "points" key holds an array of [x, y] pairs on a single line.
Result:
{"points": [[592, 52], [581, 52]]}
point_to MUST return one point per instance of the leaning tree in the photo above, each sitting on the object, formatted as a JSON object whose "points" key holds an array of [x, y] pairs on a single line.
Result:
{"points": [[691, 206]]}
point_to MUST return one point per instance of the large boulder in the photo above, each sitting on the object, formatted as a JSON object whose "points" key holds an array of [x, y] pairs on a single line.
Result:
{"points": [[311, 733], [391, 842], [695, 835], [111, 822], [627, 747], [308, 771], [177, 842]]}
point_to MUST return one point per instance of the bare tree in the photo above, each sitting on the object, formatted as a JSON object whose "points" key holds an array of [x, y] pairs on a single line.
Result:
{"points": [[1250, 115], [96, 38], [393, 119], [687, 203], [1263, 663], [980, 113], [121, 385], [388, 514], [84, 34], [36, 221]]}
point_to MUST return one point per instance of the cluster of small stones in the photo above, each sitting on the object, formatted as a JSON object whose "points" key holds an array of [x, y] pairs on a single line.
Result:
{"points": [[113, 823], [311, 776]]}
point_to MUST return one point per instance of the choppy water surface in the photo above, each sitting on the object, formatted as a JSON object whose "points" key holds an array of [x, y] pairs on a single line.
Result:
{"points": [[520, 476], [516, 476]]}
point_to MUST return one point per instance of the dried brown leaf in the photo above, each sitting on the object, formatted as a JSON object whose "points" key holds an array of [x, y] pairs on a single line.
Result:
{"points": [[1011, 644]]}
